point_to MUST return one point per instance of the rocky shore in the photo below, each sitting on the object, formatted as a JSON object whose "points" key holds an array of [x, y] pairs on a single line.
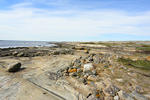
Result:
{"points": [[76, 71]]}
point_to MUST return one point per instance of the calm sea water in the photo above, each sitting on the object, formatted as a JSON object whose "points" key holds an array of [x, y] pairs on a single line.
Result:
{"points": [[12, 44]]}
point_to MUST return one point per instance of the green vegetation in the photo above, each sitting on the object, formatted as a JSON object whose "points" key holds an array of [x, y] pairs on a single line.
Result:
{"points": [[101, 43], [88, 43], [111, 44], [144, 48], [142, 64]]}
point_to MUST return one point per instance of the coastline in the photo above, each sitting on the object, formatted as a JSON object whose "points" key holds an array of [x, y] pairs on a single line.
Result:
{"points": [[58, 72]]}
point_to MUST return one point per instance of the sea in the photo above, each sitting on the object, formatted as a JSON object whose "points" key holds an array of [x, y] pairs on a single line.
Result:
{"points": [[13, 44]]}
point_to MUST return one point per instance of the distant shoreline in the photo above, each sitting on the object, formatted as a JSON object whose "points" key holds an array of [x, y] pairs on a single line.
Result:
{"points": [[15, 44]]}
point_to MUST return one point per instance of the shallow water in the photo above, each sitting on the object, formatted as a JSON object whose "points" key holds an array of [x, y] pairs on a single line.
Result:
{"points": [[13, 44]]}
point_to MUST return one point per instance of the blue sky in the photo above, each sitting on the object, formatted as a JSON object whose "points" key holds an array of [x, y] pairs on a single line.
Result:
{"points": [[75, 20]]}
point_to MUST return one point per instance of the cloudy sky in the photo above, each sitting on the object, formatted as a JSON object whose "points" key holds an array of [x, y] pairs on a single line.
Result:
{"points": [[75, 20]]}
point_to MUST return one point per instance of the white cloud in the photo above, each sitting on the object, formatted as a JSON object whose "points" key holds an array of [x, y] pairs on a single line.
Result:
{"points": [[28, 23]]}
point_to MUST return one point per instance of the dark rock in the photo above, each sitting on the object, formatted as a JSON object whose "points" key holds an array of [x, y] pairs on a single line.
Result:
{"points": [[90, 59], [84, 81], [73, 74], [92, 97]]}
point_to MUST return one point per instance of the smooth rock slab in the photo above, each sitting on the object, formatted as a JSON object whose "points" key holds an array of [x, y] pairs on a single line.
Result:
{"points": [[124, 96], [138, 96]]}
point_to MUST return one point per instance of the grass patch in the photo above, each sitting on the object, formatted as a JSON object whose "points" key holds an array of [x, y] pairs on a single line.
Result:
{"points": [[111, 44], [101, 43], [144, 47], [142, 64], [88, 43]]}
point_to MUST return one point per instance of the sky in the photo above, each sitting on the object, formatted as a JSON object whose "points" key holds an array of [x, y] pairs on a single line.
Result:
{"points": [[75, 20]]}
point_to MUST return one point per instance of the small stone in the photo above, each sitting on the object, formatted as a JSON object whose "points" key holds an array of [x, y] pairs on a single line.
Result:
{"points": [[15, 53], [77, 62], [86, 51], [106, 66], [94, 72], [73, 74], [123, 67], [72, 70], [79, 70], [84, 81], [90, 59], [92, 78]]}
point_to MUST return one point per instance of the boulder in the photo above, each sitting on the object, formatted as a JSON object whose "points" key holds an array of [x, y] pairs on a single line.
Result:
{"points": [[88, 67], [20, 54], [14, 67], [14, 53]]}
